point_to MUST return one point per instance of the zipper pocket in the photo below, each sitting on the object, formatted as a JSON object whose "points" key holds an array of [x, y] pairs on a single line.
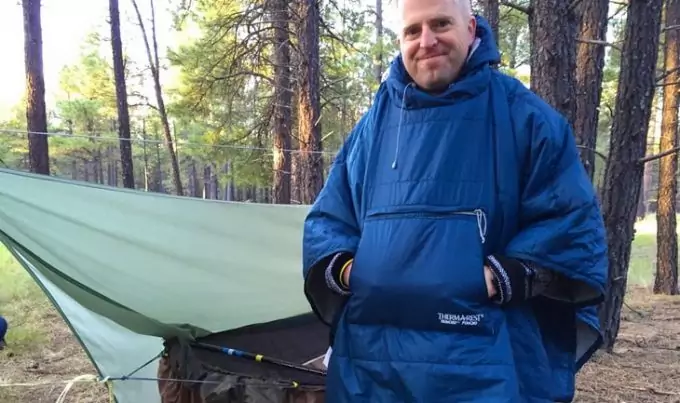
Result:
{"points": [[479, 214]]}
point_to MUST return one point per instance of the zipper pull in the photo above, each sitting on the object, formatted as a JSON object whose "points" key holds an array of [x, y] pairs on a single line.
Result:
{"points": [[481, 223]]}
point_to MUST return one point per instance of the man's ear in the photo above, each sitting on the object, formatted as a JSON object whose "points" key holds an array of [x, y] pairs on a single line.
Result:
{"points": [[472, 28]]}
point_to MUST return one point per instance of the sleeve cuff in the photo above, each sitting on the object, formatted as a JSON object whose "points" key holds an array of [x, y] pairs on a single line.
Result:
{"points": [[519, 280], [513, 279], [556, 286], [333, 273]]}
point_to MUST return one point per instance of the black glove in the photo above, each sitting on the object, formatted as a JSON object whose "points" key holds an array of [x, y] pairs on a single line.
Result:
{"points": [[513, 279]]}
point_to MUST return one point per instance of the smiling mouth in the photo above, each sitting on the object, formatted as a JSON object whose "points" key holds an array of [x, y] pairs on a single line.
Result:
{"points": [[429, 57]]}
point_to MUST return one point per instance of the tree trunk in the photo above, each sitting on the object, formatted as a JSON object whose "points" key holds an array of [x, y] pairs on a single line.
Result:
{"points": [[206, 181], [553, 26], [36, 114], [666, 281], [296, 180], [214, 184], [309, 108], [158, 174], [147, 169], [121, 98], [154, 65], [589, 74], [192, 179], [492, 14], [623, 173], [229, 188], [379, 32], [283, 100], [650, 171]]}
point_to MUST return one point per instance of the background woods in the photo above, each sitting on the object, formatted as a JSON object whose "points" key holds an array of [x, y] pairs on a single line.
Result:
{"points": [[249, 100]]}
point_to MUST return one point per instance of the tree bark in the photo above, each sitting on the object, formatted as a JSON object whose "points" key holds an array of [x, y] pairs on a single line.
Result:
{"points": [[589, 74], [666, 280], [309, 105], [154, 65], [36, 113], [623, 173], [378, 62], [553, 26], [121, 97], [283, 99], [492, 14]]}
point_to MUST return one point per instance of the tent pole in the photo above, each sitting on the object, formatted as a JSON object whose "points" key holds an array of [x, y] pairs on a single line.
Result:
{"points": [[257, 357]]}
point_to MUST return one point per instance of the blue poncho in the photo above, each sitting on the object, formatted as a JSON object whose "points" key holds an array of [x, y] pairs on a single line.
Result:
{"points": [[423, 189]]}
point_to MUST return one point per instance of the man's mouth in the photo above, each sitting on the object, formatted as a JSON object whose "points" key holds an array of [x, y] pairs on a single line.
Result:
{"points": [[432, 56]]}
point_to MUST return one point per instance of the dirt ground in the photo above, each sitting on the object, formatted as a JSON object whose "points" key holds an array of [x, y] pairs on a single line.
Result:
{"points": [[57, 362], [644, 368], [645, 365]]}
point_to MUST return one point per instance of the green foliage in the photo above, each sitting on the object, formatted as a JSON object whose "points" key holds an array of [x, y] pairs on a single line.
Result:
{"points": [[13, 144], [220, 103], [513, 40], [23, 304]]}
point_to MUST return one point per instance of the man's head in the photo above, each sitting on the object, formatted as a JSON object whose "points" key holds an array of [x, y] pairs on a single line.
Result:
{"points": [[434, 40]]}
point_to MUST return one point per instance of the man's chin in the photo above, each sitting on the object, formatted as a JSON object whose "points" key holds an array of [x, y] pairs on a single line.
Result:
{"points": [[434, 84]]}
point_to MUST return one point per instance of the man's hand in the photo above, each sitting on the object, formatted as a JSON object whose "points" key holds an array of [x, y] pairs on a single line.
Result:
{"points": [[345, 275], [490, 286]]}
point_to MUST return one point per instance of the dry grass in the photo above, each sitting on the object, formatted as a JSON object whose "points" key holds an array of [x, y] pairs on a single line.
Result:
{"points": [[644, 368], [60, 358], [41, 346]]}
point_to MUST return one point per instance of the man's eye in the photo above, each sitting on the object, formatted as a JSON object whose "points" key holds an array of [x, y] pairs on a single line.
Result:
{"points": [[411, 32]]}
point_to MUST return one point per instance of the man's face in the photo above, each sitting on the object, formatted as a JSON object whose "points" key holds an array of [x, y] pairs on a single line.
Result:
{"points": [[435, 40]]}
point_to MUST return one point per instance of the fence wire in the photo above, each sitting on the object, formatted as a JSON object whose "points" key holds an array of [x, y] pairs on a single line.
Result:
{"points": [[232, 172]]}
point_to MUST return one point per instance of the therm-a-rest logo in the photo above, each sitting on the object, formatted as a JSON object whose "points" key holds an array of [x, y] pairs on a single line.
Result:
{"points": [[459, 319]]}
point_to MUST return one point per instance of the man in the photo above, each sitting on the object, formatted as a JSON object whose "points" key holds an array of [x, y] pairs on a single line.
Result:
{"points": [[457, 248]]}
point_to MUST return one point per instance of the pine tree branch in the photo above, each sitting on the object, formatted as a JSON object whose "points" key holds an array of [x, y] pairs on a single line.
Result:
{"points": [[599, 42], [524, 9], [658, 156], [592, 150]]}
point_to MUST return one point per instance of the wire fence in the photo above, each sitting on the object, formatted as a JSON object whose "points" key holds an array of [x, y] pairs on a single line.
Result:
{"points": [[208, 168], [211, 169]]}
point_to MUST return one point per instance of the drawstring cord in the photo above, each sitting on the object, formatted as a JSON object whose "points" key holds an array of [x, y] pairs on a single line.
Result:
{"points": [[401, 118]]}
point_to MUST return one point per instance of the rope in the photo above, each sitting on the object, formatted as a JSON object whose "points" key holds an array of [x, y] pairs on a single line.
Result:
{"points": [[108, 381], [86, 378], [142, 366], [69, 385]]}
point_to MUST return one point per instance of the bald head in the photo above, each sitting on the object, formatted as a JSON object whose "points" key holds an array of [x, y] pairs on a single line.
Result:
{"points": [[464, 7], [434, 39]]}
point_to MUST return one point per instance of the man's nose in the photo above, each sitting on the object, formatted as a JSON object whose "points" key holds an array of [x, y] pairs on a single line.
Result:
{"points": [[427, 38]]}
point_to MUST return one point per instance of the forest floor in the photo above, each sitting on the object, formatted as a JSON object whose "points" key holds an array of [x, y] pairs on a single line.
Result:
{"points": [[645, 366]]}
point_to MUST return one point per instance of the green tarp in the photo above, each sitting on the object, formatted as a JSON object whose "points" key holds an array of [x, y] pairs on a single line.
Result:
{"points": [[127, 268]]}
